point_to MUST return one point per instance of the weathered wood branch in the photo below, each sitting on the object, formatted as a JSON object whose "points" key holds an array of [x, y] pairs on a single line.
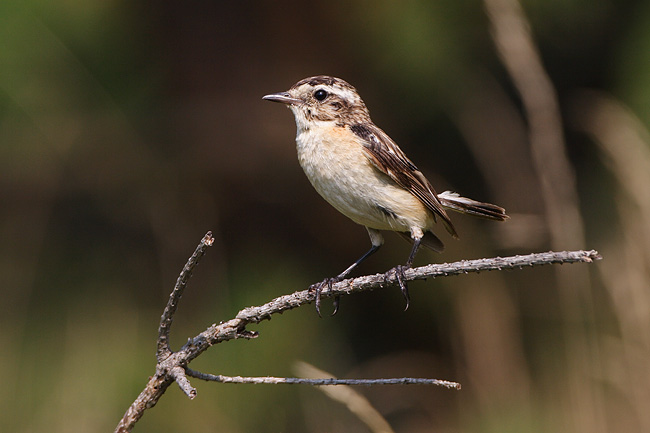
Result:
{"points": [[173, 366], [325, 381]]}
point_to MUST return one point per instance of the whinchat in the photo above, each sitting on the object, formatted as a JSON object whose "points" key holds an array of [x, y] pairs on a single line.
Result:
{"points": [[359, 170]]}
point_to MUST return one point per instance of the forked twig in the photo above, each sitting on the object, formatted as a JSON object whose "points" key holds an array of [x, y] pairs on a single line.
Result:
{"points": [[172, 366]]}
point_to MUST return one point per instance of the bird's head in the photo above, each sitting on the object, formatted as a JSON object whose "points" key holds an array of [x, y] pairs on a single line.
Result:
{"points": [[325, 99]]}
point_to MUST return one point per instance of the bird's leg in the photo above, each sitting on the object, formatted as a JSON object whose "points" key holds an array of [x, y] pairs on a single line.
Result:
{"points": [[399, 270], [329, 281], [377, 241]]}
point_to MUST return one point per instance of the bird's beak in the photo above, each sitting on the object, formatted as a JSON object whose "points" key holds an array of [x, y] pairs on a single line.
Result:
{"points": [[283, 97]]}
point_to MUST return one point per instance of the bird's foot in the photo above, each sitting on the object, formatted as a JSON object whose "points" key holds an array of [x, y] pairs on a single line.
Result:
{"points": [[318, 287], [398, 272]]}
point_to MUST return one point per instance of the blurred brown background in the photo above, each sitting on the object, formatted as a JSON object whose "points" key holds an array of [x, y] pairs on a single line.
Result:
{"points": [[129, 129]]}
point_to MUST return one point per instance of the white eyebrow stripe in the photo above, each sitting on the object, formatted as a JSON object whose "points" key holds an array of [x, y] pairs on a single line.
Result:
{"points": [[345, 94]]}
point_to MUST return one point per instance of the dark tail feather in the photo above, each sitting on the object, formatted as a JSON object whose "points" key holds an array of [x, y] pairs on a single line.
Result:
{"points": [[429, 240], [455, 202]]}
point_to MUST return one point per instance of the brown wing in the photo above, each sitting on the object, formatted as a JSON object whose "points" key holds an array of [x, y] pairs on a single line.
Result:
{"points": [[389, 158]]}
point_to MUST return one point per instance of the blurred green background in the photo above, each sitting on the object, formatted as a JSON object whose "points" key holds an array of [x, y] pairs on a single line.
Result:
{"points": [[129, 129]]}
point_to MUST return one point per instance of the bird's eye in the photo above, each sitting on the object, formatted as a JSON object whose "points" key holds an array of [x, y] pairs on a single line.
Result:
{"points": [[320, 94]]}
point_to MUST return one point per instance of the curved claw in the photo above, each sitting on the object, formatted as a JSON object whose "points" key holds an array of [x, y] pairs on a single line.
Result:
{"points": [[401, 280], [337, 301], [319, 289]]}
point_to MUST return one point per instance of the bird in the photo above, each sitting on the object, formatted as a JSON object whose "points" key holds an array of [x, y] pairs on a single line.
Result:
{"points": [[358, 169]]}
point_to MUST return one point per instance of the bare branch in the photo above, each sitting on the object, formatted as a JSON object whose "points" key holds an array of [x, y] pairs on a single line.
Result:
{"points": [[178, 373], [378, 281], [148, 398], [172, 366], [167, 317], [317, 382]]}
